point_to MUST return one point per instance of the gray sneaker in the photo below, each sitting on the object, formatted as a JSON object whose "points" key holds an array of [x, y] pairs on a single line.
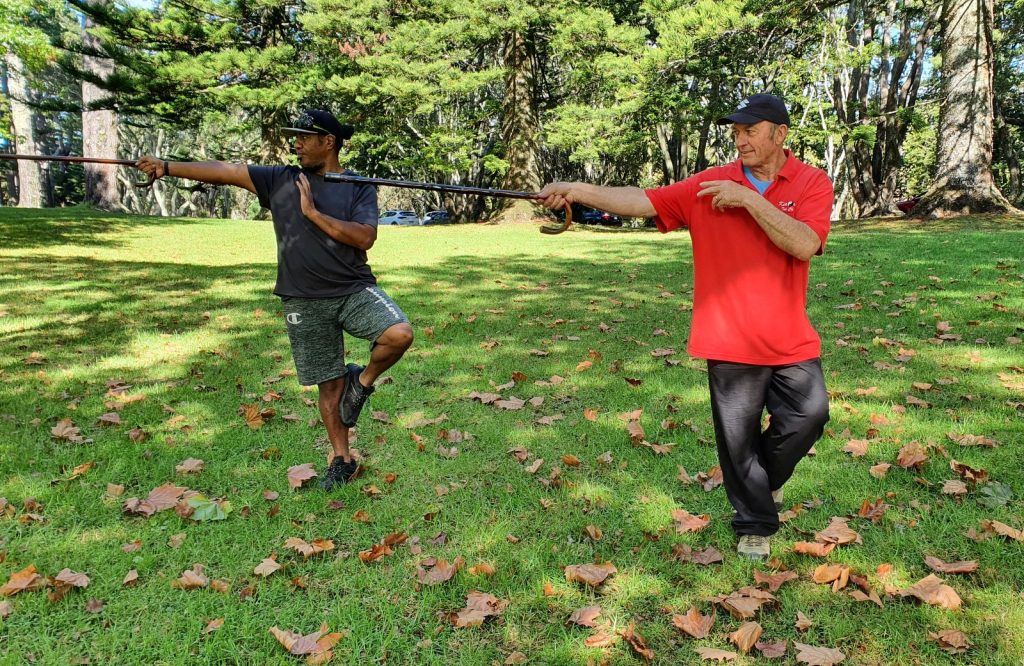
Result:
{"points": [[777, 498], [754, 546]]}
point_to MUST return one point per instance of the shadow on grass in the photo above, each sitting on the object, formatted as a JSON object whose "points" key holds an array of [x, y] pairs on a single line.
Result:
{"points": [[145, 323], [23, 228]]}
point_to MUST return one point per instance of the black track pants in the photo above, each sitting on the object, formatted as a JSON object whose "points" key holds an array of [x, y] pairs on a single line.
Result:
{"points": [[754, 463]]}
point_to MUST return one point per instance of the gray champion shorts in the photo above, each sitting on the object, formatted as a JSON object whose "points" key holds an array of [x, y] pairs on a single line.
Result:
{"points": [[315, 327]]}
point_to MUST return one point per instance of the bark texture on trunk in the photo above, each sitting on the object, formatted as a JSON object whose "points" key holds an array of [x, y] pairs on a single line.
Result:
{"points": [[30, 176], [520, 125], [99, 133], [964, 182]]}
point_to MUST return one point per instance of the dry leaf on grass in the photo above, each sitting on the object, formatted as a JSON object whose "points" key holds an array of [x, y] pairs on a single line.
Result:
{"points": [[25, 580], [479, 607], [774, 581], [441, 572], [771, 650], [309, 549], [745, 602], [745, 637], [299, 474], [190, 466], [316, 645], [191, 579], [213, 625], [912, 455], [714, 654], [953, 641], [935, 564], [585, 616], [687, 522], [377, 551], [589, 574], [268, 566], [838, 532], [931, 590], [813, 549], [684, 553], [636, 641], [694, 623], [803, 623], [856, 447], [1002, 529], [818, 656]]}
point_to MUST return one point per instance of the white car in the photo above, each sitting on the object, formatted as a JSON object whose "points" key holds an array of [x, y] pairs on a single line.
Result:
{"points": [[403, 217]]}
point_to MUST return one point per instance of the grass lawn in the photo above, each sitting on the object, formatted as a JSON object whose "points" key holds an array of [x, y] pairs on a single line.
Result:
{"points": [[170, 325]]}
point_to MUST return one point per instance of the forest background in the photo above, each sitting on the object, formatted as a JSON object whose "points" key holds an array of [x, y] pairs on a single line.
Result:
{"points": [[892, 98]]}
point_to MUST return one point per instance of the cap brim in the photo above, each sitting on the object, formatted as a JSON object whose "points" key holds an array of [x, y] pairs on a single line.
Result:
{"points": [[292, 131], [739, 117]]}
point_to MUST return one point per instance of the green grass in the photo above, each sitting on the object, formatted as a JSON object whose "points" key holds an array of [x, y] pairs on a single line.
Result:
{"points": [[182, 310]]}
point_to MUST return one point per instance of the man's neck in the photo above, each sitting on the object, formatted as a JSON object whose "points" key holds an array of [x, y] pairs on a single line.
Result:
{"points": [[767, 172]]}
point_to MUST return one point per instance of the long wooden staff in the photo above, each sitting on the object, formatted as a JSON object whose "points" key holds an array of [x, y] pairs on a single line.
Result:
{"points": [[333, 177]]}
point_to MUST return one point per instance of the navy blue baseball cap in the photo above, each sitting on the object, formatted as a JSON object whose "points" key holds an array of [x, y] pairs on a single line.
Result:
{"points": [[315, 121], [756, 108]]}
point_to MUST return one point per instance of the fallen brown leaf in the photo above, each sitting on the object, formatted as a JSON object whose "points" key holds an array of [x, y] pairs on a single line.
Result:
{"points": [[589, 574], [745, 637], [694, 623], [585, 616]]}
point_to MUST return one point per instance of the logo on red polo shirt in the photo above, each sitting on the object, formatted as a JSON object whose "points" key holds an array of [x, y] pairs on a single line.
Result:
{"points": [[787, 206]]}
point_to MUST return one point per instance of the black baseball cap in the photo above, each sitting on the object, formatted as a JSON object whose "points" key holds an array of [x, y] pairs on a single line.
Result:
{"points": [[315, 121], [756, 108]]}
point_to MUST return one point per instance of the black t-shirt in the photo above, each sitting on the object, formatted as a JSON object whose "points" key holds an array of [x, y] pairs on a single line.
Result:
{"points": [[310, 264]]}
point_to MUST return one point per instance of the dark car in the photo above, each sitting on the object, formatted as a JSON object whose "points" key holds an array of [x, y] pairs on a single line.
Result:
{"points": [[593, 216], [436, 217]]}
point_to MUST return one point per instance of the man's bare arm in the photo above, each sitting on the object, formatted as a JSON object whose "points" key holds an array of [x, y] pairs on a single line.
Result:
{"points": [[789, 234], [627, 201], [212, 171]]}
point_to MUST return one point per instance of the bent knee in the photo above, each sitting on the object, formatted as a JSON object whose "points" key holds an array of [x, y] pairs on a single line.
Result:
{"points": [[399, 335]]}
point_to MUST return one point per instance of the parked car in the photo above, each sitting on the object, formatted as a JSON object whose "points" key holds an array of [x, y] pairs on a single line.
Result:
{"points": [[436, 217], [403, 217], [593, 216]]}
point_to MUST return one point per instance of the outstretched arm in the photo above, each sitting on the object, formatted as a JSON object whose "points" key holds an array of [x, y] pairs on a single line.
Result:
{"points": [[212, 171], [627, 201]]}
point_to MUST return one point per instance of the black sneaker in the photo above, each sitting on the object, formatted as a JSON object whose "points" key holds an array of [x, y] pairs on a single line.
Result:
{"points": [[354, 396], [338, 473]]}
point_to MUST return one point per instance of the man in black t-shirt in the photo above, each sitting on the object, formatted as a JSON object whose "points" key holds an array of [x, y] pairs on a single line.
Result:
{"points": [[326, 287]]}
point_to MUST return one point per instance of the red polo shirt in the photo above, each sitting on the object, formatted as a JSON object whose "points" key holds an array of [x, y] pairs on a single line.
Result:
{"points": [[749, 296]]}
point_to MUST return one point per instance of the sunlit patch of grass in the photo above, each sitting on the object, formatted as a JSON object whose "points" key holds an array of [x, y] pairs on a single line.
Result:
{"points": [[193, 327]]}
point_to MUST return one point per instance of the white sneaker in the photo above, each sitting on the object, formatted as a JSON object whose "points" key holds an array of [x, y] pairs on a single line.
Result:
{"points": [[777, 498], [754, 547]]}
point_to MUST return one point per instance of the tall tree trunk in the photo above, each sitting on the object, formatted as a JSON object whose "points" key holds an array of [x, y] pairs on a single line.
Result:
{"points": [[30, 180], [520, 124], [99, 131], [964, 182]]}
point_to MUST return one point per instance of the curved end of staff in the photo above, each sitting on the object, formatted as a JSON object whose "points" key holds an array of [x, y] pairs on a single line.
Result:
{"points": [[148, 183], [557, 229]]}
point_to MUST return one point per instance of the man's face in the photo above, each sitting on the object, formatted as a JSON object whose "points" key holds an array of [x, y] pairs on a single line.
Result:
{"points": [[313, 150], [759, 143]]}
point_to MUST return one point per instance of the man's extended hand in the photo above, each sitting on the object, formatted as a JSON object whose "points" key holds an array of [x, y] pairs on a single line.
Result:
{"points": [[725, 194], [557, 196], [151, 166], [306, 197]]}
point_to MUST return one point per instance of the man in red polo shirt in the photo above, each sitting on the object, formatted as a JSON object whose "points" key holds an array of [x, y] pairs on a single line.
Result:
{"points": [[754, 225]]}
